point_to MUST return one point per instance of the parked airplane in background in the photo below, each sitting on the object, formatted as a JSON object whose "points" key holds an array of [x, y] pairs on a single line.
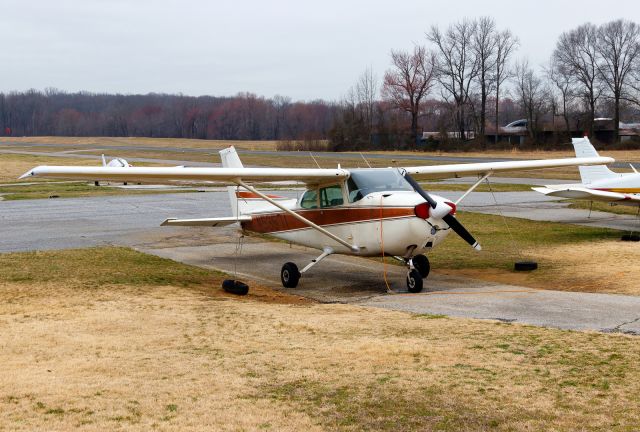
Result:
{"points": [[115, 162], [366, 212], [599, 183]]}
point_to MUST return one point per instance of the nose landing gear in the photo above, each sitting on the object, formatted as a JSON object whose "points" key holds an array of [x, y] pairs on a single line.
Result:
{"points": [[418, 269]]}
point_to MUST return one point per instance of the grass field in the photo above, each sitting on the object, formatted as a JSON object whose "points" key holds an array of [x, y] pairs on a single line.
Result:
{"points": [[565, 254], [626, 155], [113, 339], [155, 142], [605, 207]]}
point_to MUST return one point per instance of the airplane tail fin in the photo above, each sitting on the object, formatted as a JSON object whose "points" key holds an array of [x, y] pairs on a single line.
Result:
{"points": [[242, 201], [230, 159], [592, 173]]}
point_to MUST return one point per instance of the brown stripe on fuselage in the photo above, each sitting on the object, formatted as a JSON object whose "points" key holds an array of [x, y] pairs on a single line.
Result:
{"points": [[251, 195], [281, 221]]}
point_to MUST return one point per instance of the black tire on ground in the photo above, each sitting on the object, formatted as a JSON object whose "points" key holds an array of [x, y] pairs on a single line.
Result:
{"points": [[630, 237], [421, 263], [414, 281], [235, 287], [525, 265], [289, 275]]}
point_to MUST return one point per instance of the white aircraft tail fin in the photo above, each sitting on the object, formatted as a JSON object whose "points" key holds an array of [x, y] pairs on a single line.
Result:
{"points": [[242, 201], [230, 159], [592, 173]]}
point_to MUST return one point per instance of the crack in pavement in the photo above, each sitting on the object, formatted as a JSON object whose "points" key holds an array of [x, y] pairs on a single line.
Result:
{"points": [[618, 329]]}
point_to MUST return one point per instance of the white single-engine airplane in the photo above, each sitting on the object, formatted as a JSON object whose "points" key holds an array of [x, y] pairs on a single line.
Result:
{"points": [[366, 212], [599, 183]]}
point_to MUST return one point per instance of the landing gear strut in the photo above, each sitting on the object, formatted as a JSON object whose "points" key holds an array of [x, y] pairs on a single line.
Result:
{"points": [[290, 275]]}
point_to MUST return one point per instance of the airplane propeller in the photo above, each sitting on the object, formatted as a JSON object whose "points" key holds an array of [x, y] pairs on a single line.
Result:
{"points": [[450, 219]]}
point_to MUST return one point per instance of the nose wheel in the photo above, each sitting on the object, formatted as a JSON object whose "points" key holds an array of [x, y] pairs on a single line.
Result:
{"points": [[414, 281], [419, 269]]}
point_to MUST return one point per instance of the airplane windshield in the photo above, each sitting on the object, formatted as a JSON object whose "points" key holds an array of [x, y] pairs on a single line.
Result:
{"points": [[363, 182]]}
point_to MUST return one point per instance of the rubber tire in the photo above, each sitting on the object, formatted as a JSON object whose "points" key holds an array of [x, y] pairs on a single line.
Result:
{"points": [[630, 237], [414, 281], [525, 266], [235, 287], [421, 263], [289, 275]]}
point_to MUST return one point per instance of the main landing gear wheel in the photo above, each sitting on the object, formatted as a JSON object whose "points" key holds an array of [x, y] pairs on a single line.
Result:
{"points": [[289, 275], [414, 281], [421, 263]]}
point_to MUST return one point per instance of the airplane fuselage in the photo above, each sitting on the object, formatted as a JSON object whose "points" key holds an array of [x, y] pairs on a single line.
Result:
{"points": [[381, 222]]}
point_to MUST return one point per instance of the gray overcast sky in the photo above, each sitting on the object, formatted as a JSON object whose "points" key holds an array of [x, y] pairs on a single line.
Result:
{"points": [[301, 49]]}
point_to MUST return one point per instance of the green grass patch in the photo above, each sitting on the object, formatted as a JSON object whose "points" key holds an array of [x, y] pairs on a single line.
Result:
{"points": [[604, 207], [69, 190], [95, 267]]}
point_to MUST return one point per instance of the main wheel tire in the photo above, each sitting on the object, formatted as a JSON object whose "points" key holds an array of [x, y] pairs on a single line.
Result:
{"points": [[414, 281], [421, 263], [289, 275]]}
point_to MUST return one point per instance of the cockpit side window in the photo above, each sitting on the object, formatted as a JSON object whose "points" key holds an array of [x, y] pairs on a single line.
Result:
{"points": [[331, 196], [309, 199]]}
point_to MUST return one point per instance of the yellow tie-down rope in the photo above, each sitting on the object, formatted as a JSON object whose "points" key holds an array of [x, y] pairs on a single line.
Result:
{"points": [[384, 263]]}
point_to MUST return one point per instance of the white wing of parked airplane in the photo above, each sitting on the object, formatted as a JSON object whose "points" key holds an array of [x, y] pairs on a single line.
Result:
{"points": [[577, 192], [459, 170], [304, 175]]}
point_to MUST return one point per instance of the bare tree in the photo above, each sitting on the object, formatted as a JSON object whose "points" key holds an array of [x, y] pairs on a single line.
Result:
{"points": [[485, 46], [409, 80], [366, 91], [456, 65], [577, 52], [505, 46], [563, 83], [532, 95], [619, 49]]}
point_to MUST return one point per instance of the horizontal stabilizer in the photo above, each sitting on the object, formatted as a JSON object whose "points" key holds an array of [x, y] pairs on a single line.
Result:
{"points": [[206, 222], [587, 194]]}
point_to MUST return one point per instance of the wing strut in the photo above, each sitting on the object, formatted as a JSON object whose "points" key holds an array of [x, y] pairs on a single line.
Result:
{"points": [[472, 188], [297, 216]]}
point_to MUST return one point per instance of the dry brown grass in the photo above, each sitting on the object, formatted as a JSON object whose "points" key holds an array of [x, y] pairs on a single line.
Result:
{"points": [[153, 142], [98, 347], [13, 166]]}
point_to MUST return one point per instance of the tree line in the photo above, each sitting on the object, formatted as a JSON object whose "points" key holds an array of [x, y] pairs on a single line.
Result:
{"points": [[242, 117]]}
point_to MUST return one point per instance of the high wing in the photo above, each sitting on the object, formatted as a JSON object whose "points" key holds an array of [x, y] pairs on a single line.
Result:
{"points": [[170, 174], [305, 175], [577, 192], [459, 170]]}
